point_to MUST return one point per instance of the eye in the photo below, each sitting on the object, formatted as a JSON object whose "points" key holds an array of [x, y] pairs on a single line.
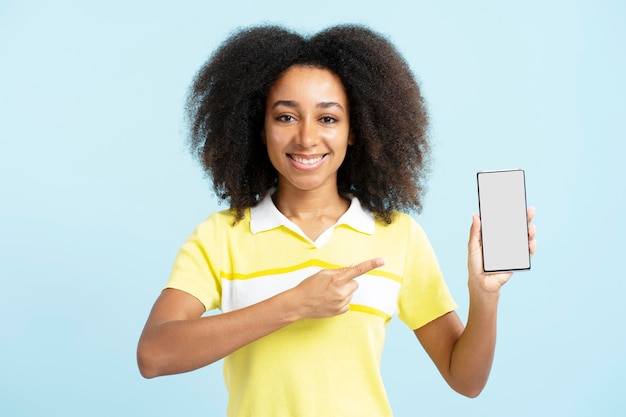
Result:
{"points": [[285, 118], [328, 119]]}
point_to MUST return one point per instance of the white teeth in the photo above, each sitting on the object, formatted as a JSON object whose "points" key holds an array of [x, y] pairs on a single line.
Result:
{"points": [[307, 161]]}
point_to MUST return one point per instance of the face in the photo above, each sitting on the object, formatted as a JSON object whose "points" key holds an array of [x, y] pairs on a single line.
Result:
{"points": [[307, 128]]}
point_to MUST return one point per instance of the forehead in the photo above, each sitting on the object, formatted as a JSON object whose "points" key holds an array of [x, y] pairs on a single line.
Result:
{"points": [[308, 82]]}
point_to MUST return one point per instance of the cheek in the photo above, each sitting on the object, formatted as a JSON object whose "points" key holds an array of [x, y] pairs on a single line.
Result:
{"points": [[277, 137], [274, 148], [341, 139]]}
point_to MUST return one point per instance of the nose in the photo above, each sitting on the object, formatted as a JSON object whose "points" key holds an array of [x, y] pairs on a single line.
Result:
{"points": [[307, 134]]}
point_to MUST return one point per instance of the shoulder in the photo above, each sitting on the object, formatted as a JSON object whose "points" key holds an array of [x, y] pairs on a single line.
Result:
{"points": [[399, 221], [223, 222], [403, 227]]}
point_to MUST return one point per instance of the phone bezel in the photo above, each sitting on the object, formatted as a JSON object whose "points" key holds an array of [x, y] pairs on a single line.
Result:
{"points": [[480, 214]]}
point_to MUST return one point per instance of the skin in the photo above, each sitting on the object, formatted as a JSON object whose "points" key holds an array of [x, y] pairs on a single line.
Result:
{"points": [[464, 355], [307, 133], [307, 120]]}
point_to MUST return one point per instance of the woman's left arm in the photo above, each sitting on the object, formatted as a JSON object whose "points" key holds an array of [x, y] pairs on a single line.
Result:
{"points": [[464, 355]]}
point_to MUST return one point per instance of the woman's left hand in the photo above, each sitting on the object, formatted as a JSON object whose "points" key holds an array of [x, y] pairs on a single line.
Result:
{"points": [[492, 282]]}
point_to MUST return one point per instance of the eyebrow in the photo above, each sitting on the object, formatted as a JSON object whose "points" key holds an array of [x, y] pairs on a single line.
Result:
{"points": [[294, 104]]}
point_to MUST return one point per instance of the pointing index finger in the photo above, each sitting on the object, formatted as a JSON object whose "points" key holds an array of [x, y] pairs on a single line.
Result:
{"points": [[361, 268]]}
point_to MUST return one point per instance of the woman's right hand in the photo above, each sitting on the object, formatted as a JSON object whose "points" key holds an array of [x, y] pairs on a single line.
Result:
{"points": [[328, 292]]}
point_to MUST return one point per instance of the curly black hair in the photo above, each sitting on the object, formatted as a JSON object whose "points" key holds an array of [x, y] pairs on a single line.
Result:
{"points": [[385, 169]]}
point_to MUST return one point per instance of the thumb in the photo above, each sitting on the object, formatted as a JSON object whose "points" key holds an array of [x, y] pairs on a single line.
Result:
{"points": [[474, 236]]}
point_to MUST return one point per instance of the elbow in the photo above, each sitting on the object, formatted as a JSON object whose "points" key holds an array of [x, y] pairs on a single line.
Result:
{"points": [[473, 393], [470, 390], [146, 370], [147, 361]]}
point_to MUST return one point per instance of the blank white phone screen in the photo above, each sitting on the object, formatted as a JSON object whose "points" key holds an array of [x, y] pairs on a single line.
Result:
{"points": [[502, 205]]}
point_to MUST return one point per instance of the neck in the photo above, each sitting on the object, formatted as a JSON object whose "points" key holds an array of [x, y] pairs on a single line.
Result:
{"points": [[309, 205]]}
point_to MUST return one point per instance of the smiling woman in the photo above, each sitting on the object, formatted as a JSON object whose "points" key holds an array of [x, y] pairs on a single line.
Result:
{"points": [[314, 256], [385, 168], [307, 133]]}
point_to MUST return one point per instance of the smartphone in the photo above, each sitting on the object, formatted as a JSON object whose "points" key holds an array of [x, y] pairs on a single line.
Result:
{"points": [[504, 223]]}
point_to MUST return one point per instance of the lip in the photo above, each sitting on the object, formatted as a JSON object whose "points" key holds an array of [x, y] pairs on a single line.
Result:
{"points": [[306, 162]]}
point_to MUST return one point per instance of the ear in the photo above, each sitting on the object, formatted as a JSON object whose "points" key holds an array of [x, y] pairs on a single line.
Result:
{"points": [[351, 139]]}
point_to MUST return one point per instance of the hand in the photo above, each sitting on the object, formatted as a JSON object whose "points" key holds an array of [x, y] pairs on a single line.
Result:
{"points": [[478, 279], [329, 292]]}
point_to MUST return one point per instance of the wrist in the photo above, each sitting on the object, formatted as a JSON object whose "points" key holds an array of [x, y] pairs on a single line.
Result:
{"points": [[290, 307], [480, 295]]}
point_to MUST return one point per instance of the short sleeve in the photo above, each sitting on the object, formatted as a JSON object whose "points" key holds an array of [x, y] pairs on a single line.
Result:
{"points": [[196, 265], [424, 296]]}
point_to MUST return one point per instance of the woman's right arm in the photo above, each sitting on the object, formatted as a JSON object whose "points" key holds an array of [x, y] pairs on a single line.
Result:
{"points": [[178, 339]]}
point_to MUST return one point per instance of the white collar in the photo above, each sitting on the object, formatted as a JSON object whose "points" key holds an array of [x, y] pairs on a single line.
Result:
{"points": [[265, 216]]}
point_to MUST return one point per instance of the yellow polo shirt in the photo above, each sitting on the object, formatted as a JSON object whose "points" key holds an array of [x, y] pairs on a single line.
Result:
{"points": [[314, 367]]}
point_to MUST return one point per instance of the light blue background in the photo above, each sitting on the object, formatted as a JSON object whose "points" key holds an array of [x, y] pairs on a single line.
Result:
{"points": [[97, 193]]}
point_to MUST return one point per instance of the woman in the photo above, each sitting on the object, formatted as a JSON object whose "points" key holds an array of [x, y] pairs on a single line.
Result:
{"points": [[319, 145]]}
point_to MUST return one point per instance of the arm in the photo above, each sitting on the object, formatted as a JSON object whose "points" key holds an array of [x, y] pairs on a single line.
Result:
{"points": [[177, 339], [464, 355]]}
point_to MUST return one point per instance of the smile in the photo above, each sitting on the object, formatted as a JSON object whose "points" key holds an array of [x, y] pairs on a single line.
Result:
{"points": [[306, 160]]}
